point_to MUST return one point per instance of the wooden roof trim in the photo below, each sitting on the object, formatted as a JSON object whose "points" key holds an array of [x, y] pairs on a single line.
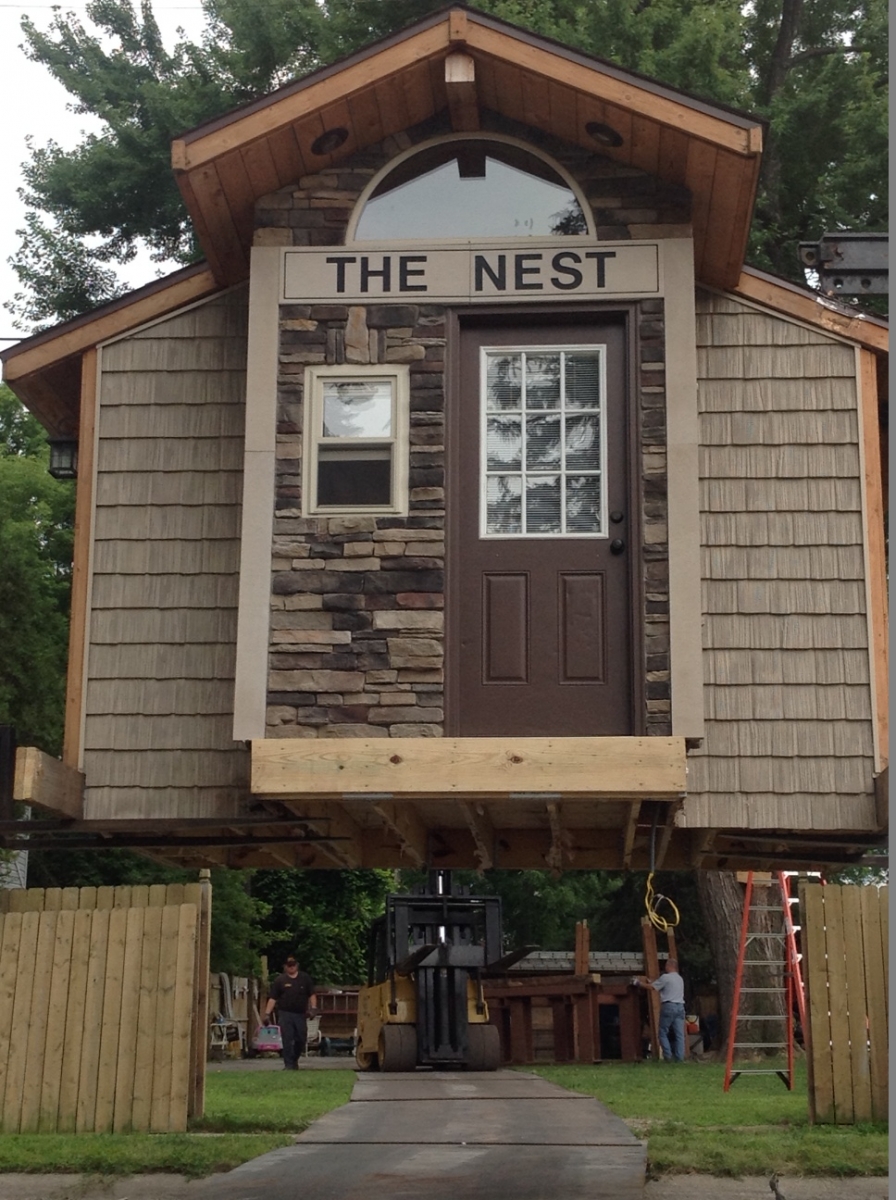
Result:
{"points": [[789, 298], [81, 333], [440, 33], [737, 133], [312, 93]]}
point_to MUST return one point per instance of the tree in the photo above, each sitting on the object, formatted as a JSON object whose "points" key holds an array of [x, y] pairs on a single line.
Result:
{"points": [[815, 68], [36, 529], [323, 917]]}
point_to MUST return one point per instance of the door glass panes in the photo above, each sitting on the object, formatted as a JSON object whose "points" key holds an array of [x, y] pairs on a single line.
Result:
{"points": [[543, 444]]}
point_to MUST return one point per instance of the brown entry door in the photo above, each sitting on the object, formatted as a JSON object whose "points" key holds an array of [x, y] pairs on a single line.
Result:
{"points": [[539, 608]]}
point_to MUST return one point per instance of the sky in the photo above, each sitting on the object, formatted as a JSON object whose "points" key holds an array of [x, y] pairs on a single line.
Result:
{"points": [[34, 103]]}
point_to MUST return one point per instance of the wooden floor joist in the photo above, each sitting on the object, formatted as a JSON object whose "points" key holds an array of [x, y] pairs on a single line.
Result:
{"points": [[483, 832]]}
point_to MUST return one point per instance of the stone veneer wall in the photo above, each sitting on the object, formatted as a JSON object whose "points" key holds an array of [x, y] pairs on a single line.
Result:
{"points": [[357, 621]]}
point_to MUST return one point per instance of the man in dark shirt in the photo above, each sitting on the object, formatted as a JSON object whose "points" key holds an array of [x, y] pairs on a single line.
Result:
{"points": [[292, 994]]}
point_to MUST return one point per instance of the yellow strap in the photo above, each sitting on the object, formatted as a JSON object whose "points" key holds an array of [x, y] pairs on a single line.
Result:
{"points": [[652, 901]]}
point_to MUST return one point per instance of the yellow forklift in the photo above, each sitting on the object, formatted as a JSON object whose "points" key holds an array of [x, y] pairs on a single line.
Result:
{"points": [[424, 1003]]}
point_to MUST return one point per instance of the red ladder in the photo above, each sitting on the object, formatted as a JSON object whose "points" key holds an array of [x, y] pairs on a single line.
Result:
{"points": [[751, 939]]}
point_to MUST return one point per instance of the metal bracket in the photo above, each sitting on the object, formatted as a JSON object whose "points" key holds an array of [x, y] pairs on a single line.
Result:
{"points": [[849, 264]]}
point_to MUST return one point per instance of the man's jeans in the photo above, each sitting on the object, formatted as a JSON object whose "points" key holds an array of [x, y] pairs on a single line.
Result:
{"points": [[293, 1031], [672, 1021]]}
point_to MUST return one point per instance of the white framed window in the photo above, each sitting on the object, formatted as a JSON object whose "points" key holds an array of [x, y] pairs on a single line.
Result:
{"points": [[543, 468], [355, 442]]}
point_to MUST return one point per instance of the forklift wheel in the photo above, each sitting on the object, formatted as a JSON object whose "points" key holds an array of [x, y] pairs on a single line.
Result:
{"points": [[398, 1048], [484, 1043], [366, 1060]]}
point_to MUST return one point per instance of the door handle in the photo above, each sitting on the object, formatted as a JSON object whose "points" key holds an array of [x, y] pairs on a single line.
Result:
{"points": [[617, 546]]}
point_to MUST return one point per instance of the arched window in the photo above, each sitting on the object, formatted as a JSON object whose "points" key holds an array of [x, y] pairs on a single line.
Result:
{"points": [[471, 188]]}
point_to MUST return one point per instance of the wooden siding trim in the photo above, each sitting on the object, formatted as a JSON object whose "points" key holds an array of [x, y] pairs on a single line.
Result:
{"points": [[806, 308], [76, 680], [874, 549], [682, 443], [259, 477], [121, 317]]}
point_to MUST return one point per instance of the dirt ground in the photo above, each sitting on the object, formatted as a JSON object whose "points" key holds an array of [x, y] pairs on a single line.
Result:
{"points": [[677, 1187]]}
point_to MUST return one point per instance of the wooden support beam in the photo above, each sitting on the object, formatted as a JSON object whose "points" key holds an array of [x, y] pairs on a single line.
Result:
{"points": [[47, 783], [457, 25], [702, 846], [460, 84], [470, 768], [480, 825], [666, 835], [559, 838], [405, 822], [582, 950], [652, 971], [330, 820], [628, 842]]}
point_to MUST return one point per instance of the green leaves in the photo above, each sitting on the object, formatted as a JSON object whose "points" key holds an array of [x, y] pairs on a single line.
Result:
{"points": [[815, 68], [36, 523]]}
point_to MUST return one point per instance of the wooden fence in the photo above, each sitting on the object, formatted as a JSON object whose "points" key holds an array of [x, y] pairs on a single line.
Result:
{"points": [[844, 943], [103, 1007]]}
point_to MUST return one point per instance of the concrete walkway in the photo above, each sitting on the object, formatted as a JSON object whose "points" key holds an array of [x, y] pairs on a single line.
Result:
{"points": [[673, 1187], [443, 1135]]}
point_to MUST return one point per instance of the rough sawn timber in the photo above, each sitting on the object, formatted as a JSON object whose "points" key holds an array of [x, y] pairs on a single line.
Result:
{"points": [[475, 767], [47, 783]]}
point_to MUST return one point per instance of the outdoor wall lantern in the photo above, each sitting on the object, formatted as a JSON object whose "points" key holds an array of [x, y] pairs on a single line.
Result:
{"points": [[63, 458]]}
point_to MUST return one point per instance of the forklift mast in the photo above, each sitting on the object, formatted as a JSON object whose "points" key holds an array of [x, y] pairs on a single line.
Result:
{"points": [[443, 937]]}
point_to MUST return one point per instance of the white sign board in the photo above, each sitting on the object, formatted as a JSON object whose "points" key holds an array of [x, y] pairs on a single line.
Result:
{"points": [[578, 269]]}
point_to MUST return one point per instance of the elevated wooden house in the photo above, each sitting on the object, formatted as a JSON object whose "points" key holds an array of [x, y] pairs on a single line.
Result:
{"points": [[472, 503]]}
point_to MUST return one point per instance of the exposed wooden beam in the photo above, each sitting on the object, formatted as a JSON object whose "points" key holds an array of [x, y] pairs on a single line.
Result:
{"points": [[330, 820], [47, 783], [471, 768], [666, 835], [457, 25], [628, 841], [480, 825], [702, 846], [559, 839], [460, 84], [405, 822]]}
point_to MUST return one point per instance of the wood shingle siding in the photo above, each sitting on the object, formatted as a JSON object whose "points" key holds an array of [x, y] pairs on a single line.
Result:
{"points": [[159, 697], [786, 661]]}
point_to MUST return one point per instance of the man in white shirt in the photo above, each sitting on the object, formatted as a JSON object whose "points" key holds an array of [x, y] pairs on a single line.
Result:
{"points": [[670, 986]]}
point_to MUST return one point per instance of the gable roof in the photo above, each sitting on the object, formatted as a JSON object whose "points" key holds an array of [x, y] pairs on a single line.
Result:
{"points": [[224, 166]]}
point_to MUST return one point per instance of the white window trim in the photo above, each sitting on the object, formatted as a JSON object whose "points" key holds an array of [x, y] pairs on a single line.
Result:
{"points": [[485, 351], [399, 376]]}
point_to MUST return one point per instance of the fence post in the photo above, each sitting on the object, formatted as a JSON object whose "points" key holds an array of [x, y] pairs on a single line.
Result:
{"points": [[200, 1012]]}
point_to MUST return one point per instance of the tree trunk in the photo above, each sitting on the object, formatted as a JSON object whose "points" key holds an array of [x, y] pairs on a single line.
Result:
{"points": [[722, 902]]}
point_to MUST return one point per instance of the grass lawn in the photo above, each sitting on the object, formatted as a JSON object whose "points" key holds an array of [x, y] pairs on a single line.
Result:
{"points": [[757, 1127], [245, 1115], [271, 1101]]}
